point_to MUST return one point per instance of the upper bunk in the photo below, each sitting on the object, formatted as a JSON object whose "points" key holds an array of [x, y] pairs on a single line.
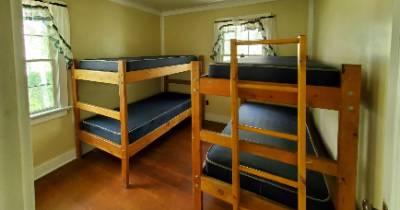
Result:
{"points": [[324, 82], [109, 70]]}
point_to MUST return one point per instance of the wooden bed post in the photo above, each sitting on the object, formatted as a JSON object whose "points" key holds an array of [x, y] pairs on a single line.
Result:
{"points": [[77, 112], [123, 103], [348, 137], [197, 106]]}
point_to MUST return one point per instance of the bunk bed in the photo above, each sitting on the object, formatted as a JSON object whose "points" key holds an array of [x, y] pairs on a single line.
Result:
{"points": [[126, 130], [266, 157]]}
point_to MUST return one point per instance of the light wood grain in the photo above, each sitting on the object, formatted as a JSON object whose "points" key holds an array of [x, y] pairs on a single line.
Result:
{"points": [[77, 112], [100, 143], [271, 133], [146, 74], [98, 110], [97, 76], [268, 176], [270, 42], [348, 137]]}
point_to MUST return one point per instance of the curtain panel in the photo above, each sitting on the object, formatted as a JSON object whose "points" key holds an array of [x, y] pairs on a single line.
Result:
{"points": [[264, 25], [56, 17]]}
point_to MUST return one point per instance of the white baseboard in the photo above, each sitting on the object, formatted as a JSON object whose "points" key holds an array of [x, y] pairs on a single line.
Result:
{"points": [[217, 118], [53, 164], [57, 162]]}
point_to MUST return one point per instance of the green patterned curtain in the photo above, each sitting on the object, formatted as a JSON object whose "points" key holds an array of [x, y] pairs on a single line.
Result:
{"points": [[56, 18]]}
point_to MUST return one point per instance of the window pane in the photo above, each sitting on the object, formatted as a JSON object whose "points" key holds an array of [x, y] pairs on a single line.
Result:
{"points": [[255, 50], [34, 27], [227, 48], [229, 36], [227, 59], [41, 86], [243, 50], [254, 35], [36, 47], [243, 34]]}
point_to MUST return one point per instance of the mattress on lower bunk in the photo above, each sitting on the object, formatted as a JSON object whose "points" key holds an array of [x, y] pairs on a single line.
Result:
{"points": [[143, 117], [135, 63], [279, 69], [283, 119]]}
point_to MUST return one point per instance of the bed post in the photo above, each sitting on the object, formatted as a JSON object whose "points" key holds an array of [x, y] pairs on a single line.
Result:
{"points": [[123, 103], [77, 112], [196, 143], [348, 137]]}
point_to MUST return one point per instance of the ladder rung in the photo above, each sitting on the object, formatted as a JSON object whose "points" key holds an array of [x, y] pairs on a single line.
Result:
{"points": [[275, 134], [267, 86], [269, 176]]}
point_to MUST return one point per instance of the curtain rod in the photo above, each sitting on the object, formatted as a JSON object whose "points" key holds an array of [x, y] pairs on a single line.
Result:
{"points": [[52, 3], [262, 17]]}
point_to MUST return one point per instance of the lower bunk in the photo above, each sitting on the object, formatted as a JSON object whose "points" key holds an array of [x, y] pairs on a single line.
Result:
{"points": [[148, 119], [283, 119]]}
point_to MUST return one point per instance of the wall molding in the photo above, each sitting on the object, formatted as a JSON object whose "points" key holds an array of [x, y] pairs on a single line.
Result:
{"points": [[137, 6], [58, 162], [214, 6], [54, 164]]}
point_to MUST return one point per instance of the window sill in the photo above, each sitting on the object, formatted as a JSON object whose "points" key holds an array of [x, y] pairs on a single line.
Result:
{"points": [[49, 115]]}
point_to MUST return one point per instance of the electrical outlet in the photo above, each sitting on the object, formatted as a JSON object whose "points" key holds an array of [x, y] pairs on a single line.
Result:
{"points": [[207, 103]]}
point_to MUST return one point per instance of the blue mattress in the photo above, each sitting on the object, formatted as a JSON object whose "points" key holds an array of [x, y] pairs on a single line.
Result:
{"points": [[143, 117], [283, 119], [279, 69], [135, 63]]}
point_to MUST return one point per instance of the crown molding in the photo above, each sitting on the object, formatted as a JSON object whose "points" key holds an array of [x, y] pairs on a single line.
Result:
{"points": [[214, 6], [137, 6]]}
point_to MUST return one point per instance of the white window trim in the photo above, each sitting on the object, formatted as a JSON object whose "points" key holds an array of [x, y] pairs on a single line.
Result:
{"points": [[52, 114]]}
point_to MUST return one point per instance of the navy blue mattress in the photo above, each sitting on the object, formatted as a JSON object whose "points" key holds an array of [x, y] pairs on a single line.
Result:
{"points": [[143, 117], [135, 63], [283, 119], [279, 69]]}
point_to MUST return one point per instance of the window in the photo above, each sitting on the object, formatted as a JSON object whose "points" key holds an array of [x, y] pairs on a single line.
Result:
{"points": [[47, 90], [243, 28], [241, 32]]}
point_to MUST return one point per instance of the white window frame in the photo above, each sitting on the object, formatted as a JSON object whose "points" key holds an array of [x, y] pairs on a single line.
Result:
{"points": [[233, 20], [60, 82]]}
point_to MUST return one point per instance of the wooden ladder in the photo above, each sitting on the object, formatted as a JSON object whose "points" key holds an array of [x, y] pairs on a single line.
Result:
{"points": [[300, 138]]}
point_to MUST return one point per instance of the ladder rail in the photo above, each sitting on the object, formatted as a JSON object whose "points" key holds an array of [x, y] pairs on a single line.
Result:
{"points": [[300, 90]]}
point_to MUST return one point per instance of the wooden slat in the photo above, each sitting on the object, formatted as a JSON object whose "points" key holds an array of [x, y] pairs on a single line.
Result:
{"points": [[348, 137], [268, 176], [322, 165], [100, 143], [215, 138], [271, 133], [197, 119], [77, 112], [249, 201], [98, 110], [146, 74], [268, 86], [141, 143], [268, 42], [317, 96], [234, 74], [301, 124], [123, 104], [178, 81], [97, 76]]}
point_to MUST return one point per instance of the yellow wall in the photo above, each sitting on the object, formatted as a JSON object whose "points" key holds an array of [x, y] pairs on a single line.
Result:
{"points": [[100, 29], [359, 32], [194, 34], [16, 169]]}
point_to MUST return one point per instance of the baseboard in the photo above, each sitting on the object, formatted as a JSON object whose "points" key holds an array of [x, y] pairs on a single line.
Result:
{"points": [[217, 118], [53, 164], [59, 161]]}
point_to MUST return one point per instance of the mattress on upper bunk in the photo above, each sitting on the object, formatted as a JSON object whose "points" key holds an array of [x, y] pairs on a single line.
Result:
{"points": [[283, 119], [143, 117], [279, 69], [135, 63]]}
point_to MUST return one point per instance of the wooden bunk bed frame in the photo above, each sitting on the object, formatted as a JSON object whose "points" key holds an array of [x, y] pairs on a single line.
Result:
{"points": [[344, 99], [122, 78]]}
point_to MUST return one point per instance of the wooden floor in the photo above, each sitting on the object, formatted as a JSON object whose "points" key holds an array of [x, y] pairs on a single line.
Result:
{"points": [[161, 177]]}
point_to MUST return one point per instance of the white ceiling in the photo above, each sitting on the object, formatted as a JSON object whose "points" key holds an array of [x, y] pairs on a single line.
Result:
{"points": [[167, 5]]}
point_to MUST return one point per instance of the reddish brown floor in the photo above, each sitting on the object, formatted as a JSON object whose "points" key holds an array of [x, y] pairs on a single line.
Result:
{"points": [[160, 174]]}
